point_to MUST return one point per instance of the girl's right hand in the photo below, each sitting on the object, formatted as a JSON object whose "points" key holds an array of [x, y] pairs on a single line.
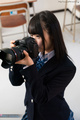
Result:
{"points": [[11, 43]]}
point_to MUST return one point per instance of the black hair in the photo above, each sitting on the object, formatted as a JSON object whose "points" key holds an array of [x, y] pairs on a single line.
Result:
{"points": [[47, 21]]}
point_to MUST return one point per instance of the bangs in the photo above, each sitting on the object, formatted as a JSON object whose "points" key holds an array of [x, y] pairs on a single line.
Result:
{"points": [[35, 26]]}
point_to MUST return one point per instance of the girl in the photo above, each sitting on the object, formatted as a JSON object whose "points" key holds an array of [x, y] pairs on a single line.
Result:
{"points": [[47, 77]]}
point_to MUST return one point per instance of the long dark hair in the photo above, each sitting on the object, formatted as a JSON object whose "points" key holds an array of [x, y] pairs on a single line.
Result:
{"points": [[47, 21]]}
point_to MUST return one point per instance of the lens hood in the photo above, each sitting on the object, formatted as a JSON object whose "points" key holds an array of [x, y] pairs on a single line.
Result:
{"points": [[7, 56]]}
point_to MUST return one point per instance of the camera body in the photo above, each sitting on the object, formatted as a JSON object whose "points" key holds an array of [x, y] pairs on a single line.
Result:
{"points": [[11, 55]]}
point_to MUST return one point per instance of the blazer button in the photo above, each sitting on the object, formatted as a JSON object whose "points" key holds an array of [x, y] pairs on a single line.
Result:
{"points": [[11, 70], [31, 100], [24, 80], [11, 67], [22, 76]]}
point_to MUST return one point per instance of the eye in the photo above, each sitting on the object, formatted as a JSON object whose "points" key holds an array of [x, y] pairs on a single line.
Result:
{"points": [[37, 35]]}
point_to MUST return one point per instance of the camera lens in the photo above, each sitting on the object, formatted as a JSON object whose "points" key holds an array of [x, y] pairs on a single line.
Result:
{"points": [[8, 58], [7, 55]]}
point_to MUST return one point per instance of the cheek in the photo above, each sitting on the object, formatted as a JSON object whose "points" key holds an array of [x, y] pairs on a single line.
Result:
{"points": [[40, 45], [39, 42]]}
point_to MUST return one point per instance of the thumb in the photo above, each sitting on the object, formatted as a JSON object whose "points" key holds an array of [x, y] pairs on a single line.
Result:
{"points": [[26, 53]]}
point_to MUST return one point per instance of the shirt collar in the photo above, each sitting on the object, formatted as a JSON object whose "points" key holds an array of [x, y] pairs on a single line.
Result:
{"points": [[48, 55]]}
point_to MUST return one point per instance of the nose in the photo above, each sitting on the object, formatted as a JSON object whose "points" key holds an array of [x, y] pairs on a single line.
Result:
{"points": [[33, 36]]}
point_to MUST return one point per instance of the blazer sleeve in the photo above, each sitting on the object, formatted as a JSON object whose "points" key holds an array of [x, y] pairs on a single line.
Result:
{"points": [[56, 83], [15, 76]]}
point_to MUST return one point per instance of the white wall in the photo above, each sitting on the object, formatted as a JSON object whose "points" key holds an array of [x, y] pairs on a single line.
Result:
{"points": [[53, 5], [48, 5]]}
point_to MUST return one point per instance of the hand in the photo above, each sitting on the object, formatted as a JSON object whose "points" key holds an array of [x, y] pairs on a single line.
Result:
{"points": [[26, 61], [11, 43]]}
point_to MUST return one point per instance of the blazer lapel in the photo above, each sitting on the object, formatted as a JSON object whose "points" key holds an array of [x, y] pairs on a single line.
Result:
{"points": [[49, 66]]}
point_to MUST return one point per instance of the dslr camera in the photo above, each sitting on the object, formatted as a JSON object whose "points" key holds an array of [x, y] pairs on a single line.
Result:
{"points": [[11, 55]]}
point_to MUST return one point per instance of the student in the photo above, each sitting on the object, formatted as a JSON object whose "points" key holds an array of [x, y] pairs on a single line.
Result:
{"points": [[46, 81]]}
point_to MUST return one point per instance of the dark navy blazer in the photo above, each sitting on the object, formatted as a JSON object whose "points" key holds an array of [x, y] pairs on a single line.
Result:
{"points": [[44, 97]]}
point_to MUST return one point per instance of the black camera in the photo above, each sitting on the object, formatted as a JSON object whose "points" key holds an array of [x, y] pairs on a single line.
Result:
{"points": [[11, 55]]}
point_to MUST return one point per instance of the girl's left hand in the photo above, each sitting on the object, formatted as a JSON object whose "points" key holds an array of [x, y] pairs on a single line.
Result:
{"points": [[25, 61]]}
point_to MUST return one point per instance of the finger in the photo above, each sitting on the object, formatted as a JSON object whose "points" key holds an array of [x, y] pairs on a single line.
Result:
{"points": [[19, 62], [12, 41], [26, 53], [12, 45]]}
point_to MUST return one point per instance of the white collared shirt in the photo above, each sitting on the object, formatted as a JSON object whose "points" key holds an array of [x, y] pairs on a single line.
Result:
{"points": [[48, 56]]}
